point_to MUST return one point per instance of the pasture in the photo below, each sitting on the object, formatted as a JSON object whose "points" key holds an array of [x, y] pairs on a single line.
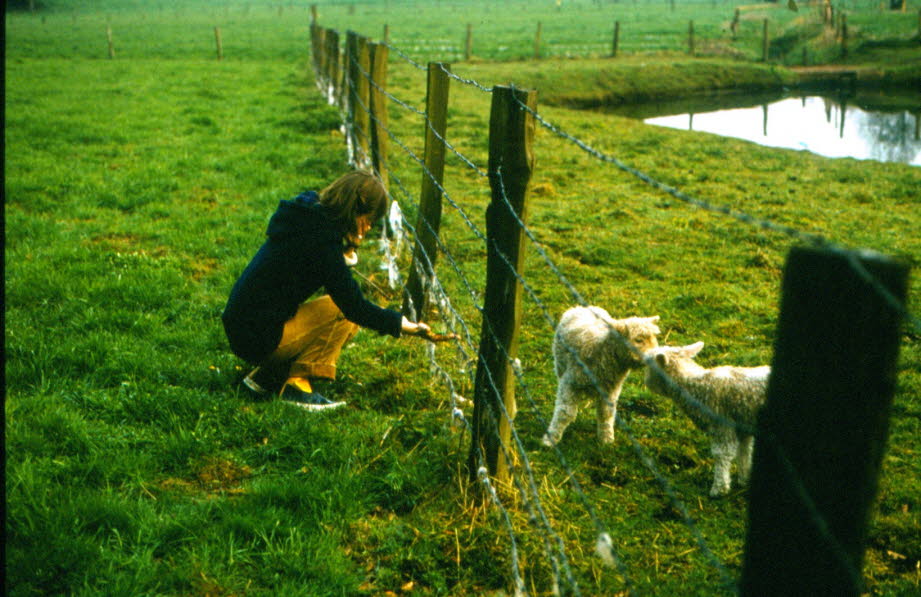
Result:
{"points": [[136, 190]]}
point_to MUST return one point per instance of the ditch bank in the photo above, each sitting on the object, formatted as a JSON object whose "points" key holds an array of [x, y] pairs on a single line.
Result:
{"points": [[596, 83]]}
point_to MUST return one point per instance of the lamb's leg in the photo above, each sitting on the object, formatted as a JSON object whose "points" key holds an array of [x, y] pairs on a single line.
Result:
{"points": [[744, 459], [564, 412], [607, 411], [723, 448]]}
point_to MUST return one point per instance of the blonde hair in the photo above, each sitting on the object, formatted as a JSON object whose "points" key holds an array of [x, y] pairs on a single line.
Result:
{"points": [[355, 194]]}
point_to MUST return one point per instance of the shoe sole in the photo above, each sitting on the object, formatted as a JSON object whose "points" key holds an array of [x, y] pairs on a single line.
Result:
{"points": [[314, 407]]}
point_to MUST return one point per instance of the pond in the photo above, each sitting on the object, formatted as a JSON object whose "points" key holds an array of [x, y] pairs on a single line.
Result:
{"points": [[863, 125]]}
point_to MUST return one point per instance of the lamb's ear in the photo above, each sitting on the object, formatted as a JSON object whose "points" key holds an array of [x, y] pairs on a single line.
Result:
{"points": [[691, 350], [661, 359], [653, 319]]}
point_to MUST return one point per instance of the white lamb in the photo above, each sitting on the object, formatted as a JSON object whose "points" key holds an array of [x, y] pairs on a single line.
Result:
{"points": [[592, 336], [734, 393]]}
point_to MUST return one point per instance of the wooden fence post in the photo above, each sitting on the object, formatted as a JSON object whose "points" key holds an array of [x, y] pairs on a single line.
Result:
{"points": [[379, 115], [616, 41], [691, 38], [332, 60], [357, 98], [362, 106], [511, 162], [386, 33], [425, 252], [537, 42], [823, 430], [313, 14], [468, 48], [217, 41], [348, 91], [766, 43], [318, 47], [111, 43]]}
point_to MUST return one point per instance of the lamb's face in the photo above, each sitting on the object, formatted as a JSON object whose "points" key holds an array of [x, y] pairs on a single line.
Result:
{"points": [[641, 332], [670, 360]]}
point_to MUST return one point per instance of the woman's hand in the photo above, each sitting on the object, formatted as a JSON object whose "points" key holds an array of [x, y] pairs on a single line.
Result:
{"points": [[422, 330], [411, 328]]}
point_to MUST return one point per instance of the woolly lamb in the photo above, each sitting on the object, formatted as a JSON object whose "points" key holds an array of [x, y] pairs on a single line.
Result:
{"points": [[735, 393], [598, 340]]}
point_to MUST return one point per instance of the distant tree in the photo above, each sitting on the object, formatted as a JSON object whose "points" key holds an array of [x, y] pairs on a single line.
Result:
{"points": [[23, 4]]}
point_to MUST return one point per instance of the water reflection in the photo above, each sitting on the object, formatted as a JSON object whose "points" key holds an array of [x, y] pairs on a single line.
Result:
{"points": [[875, 127]]}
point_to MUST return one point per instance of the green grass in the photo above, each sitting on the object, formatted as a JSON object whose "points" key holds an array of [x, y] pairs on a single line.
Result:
{"points": [[136, 190]]}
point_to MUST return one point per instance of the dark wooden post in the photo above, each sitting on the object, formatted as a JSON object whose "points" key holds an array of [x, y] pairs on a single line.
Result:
{"points": [[349, 90], [386, 33], [380, 118], [468, 48], [691, 38], [616, 41], [357, 98], [823, 430], [734, 26], [332, 60], [111, 43], [217, 41], [425, 252], [362, 110], [511, 162], [320, 58], [313, 14]]}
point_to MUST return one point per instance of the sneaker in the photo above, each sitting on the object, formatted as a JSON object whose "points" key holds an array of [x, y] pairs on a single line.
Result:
{"points": [[308, 400]]}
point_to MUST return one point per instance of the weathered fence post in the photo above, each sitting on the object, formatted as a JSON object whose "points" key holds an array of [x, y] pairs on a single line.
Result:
{"points": [[691, 38], [616, 42], [734, 26], [362, 98], [468, 47], [318, 46], [511, 162], [313, 14], [332, 60], [425, 252], [537, 42], [356, 94], [766, 43], [822, 433], [386, 33], [348, 92], [379, 116], [217, 41], [111, 43]]}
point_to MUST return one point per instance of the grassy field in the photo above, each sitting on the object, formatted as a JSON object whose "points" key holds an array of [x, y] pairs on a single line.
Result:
{"points": [[136, 190]]}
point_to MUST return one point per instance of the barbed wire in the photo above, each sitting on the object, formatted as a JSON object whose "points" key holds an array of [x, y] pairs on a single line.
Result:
{"points": [[403, 55], [470, 82]]}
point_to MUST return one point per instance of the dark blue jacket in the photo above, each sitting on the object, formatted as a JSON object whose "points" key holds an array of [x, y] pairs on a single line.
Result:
{"points": [[303, 252]]}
